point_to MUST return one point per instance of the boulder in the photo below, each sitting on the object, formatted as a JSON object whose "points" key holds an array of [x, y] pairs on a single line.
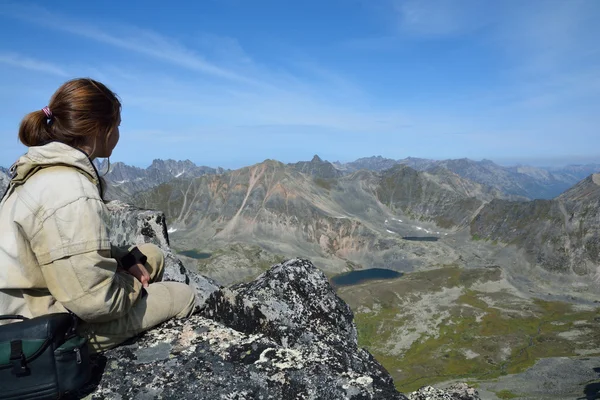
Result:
{"points": [[129, 225], [458, 391]]}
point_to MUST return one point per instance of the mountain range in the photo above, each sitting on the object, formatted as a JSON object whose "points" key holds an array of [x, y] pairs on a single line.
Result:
{"points": [[347, 219], [124, 180], [527, 181], [358, 218]]}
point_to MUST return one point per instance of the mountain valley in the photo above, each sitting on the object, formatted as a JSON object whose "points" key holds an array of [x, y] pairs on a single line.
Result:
{"points": [[494, 286]]}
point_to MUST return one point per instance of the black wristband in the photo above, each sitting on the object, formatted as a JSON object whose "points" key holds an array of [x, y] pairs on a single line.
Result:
{"points": [[133, 257]]}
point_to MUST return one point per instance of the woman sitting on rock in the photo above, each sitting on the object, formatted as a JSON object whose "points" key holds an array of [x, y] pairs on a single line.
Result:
{"points": [[55, 253]]}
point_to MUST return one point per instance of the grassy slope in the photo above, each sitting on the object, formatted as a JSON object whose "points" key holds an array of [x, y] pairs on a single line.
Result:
{"points": [[455, 323]]}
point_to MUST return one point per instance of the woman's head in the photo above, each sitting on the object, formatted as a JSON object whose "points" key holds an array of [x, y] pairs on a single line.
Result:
{"points": [[82, 113]]}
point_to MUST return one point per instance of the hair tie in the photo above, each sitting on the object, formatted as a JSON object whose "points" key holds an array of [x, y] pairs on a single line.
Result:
{"points": [[47, 111]]}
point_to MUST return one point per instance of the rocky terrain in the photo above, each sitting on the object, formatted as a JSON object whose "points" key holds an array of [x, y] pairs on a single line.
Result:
{"points": [[124, 180], [284, 335], [3, 180]]}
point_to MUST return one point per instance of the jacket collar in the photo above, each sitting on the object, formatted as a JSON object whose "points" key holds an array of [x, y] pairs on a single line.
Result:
{"points": [[49, 155]]}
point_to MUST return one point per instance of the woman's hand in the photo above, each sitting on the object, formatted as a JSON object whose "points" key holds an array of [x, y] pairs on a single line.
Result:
{"points": [[140, 273]]}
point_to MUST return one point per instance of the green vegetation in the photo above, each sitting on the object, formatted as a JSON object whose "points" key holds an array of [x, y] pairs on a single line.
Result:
{"points": [[480, 335], [506, 394]]}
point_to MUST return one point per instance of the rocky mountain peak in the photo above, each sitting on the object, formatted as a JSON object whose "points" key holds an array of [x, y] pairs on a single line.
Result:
{"points": [[124, 180], [317, 168], [375, 163]]}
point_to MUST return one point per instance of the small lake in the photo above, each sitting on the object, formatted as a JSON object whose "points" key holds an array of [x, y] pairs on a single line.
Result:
{"points": [[194, 254], [421, 238], [355, 277]]}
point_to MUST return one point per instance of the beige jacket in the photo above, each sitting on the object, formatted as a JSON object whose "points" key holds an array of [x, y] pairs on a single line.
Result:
{"points": [[55, 252]]}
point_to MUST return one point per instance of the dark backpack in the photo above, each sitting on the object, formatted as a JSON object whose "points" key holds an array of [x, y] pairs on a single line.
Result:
{"points": [[42, 357]]}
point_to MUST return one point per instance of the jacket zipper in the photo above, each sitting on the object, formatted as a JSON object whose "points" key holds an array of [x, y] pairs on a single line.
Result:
{"points": [[78, 355]]}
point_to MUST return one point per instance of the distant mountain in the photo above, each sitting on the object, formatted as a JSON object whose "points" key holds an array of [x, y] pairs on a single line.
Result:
{"points": [[420, 164], [124, 180], [561, 235], [524, 181], [376, 163], [447, 200], [318, 168], [507, 180], [575, 172], [4, 179]]}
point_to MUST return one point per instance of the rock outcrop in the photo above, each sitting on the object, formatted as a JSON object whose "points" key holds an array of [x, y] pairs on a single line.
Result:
{"points": [[285, 335], [4, 180], [129, 225]]}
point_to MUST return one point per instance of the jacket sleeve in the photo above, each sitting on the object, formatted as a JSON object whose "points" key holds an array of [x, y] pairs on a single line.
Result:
{"points": [[88, 285], [74, 254]]}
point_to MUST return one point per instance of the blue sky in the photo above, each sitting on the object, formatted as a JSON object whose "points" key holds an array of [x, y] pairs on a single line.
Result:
{"points": [[233, 82]]}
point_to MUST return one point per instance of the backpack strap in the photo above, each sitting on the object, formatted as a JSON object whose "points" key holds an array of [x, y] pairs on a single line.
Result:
{"points": [[17, 358]]}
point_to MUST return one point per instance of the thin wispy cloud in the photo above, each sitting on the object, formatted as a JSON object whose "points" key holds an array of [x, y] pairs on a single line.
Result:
{"points": [[21, 61], [297, 100], [436, 18], [130, 38]]}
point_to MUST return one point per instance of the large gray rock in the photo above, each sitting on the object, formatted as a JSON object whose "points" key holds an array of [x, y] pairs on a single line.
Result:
{"points": [[284, 336], [129, 225]]}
